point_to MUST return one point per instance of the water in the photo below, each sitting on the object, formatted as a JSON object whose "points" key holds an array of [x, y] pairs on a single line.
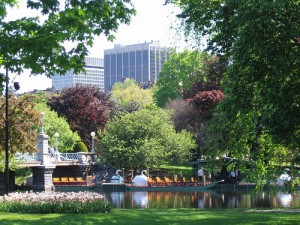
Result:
{"points": [[204, 200]]}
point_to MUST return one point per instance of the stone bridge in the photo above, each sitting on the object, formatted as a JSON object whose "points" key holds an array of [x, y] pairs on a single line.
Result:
{"points": [[45, 165]]}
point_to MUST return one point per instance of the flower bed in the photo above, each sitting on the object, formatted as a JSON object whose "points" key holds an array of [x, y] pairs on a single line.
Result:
{"points": [[56, 202]]}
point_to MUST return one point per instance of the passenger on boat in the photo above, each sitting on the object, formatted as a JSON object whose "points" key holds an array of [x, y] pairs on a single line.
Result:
{"points": [[200, 174]]}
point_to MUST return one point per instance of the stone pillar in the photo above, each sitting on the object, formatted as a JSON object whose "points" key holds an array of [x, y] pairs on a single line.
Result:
{"points": [[42, 175], [42, 178], [42, 145]]}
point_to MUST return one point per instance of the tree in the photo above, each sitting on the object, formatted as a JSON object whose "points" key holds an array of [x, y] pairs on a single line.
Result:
{"points": [[55, 124], [144, 139], [23, 123], [200, 99], [130, 96], [262, 83], [37, 43], [176, 75], [85, 107], [261, 40]]}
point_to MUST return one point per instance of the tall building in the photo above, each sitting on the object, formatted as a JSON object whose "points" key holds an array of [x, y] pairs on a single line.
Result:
{"points": [[94, 76], [140, 62]]}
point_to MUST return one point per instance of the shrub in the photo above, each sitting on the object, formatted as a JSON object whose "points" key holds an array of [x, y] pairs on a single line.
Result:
{"points": [[80, 147], [62, 202]]}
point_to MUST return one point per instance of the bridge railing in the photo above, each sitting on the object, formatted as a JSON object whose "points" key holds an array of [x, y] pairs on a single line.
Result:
{"points": [[64, 157], [26, 157], [81, 157]]}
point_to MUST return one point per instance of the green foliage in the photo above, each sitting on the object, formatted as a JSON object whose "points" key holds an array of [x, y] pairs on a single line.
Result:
{"points": [[80, 147], [144, 139], [37, 42], [177, 73], [128, 92], [55, 124], [261, 110]]}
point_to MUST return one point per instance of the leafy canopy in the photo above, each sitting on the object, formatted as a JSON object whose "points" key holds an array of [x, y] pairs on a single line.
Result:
{"points": [[144, 139], [38, 43], [85, 107], [55, 124], [129, 92]]}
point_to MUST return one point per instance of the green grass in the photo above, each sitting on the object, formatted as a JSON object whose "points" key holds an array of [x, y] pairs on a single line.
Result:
{"points": [[175, 169], [157, 217]]}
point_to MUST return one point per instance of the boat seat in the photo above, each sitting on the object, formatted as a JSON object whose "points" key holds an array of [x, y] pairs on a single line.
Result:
{"points": [[184, 181], [194, 181], [159, 181], [72, 180], [151, 182], [64, 180], [176, 181], [80, 181], [168, 181], [56, 181]]}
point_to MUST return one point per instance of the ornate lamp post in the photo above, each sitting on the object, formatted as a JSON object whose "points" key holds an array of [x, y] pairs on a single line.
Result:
{"points": [[93, 137], [56, 135]]}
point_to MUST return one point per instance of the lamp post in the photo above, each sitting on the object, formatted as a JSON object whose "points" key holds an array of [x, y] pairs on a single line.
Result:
{"points": [[6, 136], [42, 120], [93, 137], [56, 135]]}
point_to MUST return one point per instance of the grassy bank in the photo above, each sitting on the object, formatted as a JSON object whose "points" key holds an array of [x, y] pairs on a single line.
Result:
{"points": [[157, 217]]}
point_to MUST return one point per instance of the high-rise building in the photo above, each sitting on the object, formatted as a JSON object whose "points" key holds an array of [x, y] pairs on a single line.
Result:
{"points": [[94, 75], [140, 62]]}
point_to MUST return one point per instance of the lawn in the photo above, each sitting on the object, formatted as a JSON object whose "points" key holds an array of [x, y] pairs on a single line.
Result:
{"points": [[157, 217]]}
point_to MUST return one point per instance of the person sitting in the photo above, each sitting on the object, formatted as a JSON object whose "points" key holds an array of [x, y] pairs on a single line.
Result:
{"points": [[200, 174]]}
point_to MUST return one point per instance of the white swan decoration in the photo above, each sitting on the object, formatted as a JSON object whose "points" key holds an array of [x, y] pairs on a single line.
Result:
{"points": [[117, 178], [140, 180]]}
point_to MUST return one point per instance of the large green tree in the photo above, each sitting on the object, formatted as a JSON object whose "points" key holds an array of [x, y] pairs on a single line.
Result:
{"points": [[261, 38], [38, 42], [144, 139], [129, 96], [55, 124], [262, 94], [176, 74]]}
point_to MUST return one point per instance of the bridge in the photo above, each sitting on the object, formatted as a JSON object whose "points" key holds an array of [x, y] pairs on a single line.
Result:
{"points": [[45, 165], [57, 158]]}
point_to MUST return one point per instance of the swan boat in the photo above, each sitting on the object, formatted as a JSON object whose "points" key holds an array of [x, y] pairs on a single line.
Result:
{"points": [[171, 188]]}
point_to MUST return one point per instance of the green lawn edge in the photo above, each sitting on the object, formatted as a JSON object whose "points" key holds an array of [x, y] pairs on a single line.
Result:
{"points": [[160, 216]]}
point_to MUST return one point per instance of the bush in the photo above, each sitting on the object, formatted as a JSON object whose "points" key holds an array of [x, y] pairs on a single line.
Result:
{"points": [[80, 147], [70, 202]]}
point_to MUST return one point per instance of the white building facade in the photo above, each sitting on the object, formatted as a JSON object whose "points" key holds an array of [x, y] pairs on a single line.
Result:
{"points": [[94, 75]]}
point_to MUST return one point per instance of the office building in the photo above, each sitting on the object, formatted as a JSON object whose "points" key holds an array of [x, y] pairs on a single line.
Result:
{"points": [[94, 76], [140, 62]]}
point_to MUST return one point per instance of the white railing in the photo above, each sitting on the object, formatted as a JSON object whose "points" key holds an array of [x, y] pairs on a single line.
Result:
{"points": [[26, 157], [55, 157], [64, 157]]}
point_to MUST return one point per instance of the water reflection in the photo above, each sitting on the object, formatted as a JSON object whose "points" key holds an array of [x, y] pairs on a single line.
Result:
{"points": [[203, 200]]}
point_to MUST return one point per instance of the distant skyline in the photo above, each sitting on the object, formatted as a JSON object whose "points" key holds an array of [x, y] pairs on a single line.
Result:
{"points": [[153, 22]]}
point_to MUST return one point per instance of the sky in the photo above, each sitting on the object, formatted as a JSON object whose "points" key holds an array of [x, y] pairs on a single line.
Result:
{"points": [[153, 22]]}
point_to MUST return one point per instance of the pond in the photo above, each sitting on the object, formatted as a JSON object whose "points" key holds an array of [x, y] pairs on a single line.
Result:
{"points": [[204, 200]]}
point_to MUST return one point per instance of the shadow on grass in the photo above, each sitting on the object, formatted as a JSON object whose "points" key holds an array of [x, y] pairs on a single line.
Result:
{"points": [[155, 216]]}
